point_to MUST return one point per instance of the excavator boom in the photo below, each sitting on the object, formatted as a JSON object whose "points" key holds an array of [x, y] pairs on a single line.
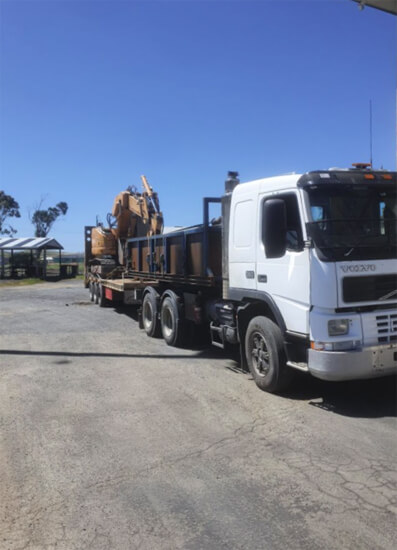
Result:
{"points": [[136, 215]]}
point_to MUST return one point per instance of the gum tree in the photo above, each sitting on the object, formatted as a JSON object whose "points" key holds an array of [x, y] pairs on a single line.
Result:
{"points": [[43, 220], [9, 208]]}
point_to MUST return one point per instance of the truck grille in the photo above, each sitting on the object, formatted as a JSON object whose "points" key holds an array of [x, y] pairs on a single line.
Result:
{"points": [[387, 328], [369, 288]]}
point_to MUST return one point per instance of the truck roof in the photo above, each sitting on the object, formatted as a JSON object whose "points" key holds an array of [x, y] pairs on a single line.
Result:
{"points": [[317, 177], [350, 176], [276, 183]]}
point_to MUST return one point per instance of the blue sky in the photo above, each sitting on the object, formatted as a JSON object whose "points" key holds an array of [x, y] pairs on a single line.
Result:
{"points": [[94, 93]]}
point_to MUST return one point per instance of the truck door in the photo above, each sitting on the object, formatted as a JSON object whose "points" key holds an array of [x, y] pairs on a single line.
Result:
{"points": [[242, 242], [286, 279]]}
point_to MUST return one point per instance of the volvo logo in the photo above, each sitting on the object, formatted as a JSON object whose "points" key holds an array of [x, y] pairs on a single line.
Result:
{"points": [[358, 268]]}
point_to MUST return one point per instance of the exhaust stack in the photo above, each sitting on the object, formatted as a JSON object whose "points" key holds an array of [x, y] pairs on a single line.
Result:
{"points": [[231, 182]]}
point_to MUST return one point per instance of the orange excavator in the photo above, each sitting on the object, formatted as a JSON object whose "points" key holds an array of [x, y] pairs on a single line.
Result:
{"points": [[133, 214]]}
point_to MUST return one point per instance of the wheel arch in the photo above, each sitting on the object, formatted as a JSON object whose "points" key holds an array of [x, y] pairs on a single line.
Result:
{"points": [[264, 307], [169, 293], [150, 290]]}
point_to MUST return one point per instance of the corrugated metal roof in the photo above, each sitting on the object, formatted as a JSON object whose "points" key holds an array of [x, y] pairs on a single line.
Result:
{"points": [[6, 243], [384, 5]]}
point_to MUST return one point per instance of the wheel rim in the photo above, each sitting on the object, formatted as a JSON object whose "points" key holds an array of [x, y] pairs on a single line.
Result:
{"points": [[147, 314], [260, 355], [167, 322]]}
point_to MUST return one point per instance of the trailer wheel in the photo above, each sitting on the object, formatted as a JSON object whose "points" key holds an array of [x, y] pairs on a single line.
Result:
{"points": [[92, 291], [96, 293], [171, 325], [265, 355], [150, 318]]}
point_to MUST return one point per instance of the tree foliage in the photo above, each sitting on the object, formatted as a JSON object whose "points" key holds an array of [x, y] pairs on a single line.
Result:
{"points": [[9, 208], [43, 220]]}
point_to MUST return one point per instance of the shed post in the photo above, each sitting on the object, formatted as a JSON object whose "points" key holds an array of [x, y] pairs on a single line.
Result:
{"points": [[60, 259], [45, 265], [2, 263]]}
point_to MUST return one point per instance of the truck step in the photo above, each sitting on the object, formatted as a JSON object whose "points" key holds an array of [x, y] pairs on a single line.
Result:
{"points": [[217, 336], [299, 366]]}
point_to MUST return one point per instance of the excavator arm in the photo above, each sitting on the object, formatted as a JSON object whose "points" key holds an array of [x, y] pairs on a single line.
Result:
{"points": [[135, 214]]}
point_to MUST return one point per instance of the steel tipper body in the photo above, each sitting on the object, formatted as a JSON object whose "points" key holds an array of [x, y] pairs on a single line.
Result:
{"points": [[316, 255], [184, 266]]}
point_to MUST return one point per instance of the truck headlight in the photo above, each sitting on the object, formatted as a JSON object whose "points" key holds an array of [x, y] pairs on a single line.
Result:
{"points": [[338, 327]]}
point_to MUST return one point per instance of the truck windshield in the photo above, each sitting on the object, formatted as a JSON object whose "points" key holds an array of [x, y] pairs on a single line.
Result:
{"points": [[353, 222]]}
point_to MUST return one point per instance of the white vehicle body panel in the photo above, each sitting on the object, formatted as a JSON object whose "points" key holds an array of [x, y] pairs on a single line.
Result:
{"points": [[308, 292], [242, 237], [286, 279]]}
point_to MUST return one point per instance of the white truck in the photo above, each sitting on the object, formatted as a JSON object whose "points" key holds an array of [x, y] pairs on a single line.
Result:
{"points": [[307, 278]]}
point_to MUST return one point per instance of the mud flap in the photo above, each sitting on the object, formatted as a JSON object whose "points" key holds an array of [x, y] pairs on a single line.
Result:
{"points": [[241, 329]]}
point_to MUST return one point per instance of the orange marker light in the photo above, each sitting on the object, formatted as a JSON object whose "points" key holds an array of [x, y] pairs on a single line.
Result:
{"points": [[362, 165], [369, 176], [387, 177]]}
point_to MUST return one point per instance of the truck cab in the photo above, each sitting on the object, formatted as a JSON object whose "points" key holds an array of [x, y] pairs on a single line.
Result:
{"points": [[312, 264]]}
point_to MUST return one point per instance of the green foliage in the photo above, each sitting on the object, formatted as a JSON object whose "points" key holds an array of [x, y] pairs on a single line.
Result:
{"points": [[9, 208], [43, 220], [21, 282]]}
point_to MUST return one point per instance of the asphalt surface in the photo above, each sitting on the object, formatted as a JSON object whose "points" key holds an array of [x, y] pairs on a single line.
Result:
{"points": [[112, 440]]}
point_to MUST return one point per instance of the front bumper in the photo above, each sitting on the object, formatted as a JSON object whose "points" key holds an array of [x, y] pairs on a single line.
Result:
{"points": [[369, 362]]}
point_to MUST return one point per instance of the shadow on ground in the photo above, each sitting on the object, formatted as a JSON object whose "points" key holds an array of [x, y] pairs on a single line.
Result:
{"points": [[361, 399], [357, 398], [374, 398], [201, 354]]}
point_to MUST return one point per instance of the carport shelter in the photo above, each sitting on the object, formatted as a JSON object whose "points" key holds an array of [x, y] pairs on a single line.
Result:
{"points": [[32, 264]]}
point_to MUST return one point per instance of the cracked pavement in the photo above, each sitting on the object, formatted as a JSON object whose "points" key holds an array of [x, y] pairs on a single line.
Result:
{"points": [[112, 440]]}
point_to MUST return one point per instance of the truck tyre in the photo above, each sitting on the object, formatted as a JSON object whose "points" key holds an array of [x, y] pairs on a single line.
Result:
{"points": [[265, 355], [96, 293], [171, 321], [150, 318], [92, 291], [103, 302]]}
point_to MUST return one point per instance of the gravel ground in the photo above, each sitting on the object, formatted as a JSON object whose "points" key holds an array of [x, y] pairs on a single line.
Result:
{"points": [[112, 440]]}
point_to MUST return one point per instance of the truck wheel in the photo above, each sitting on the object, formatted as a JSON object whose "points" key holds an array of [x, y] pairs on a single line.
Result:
{"points": [[150, 319], [96, 293], [265, 355], [171, 326], [103, 302], [92, 291]]}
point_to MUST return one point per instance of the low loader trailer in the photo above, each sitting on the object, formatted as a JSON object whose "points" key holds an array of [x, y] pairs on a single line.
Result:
{"points": [[299, 273]]}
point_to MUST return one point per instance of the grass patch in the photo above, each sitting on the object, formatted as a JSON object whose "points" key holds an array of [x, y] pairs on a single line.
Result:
{"points": [[21, 282], [34, 281]]}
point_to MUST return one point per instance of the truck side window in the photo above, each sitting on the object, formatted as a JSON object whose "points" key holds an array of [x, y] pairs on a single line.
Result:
{"points": [[294, 226]]}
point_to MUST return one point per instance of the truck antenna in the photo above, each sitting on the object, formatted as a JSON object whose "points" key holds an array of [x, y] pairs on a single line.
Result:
{"points": [[370, 131]]}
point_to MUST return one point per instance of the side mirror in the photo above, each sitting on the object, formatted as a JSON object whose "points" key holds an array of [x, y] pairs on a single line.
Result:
{"points": [[274, 228]]}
